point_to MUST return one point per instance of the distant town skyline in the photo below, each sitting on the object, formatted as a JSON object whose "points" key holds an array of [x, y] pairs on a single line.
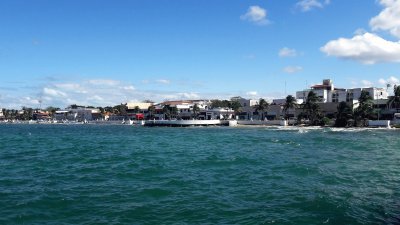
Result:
{"points": [[103, 53]]}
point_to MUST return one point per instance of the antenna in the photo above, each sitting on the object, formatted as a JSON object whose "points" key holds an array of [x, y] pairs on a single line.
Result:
{"points": [[40, 103], [285, 88]]}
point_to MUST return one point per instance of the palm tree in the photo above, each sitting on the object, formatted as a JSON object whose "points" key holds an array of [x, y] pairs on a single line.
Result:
{"points": [[196, 110], [174, 112], [136, 109], [364, 109], [394, 101], [236, 106], [344, 113], [312, 108], [262, 106], [52, 110], [152, 110], [290, 103], [167, 112], [120, 109]]}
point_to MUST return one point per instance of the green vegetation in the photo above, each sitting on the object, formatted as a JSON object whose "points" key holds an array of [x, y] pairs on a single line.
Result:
{"points": [[311, 108], [394, 101], [196, 110], [290, 103], [261, 107], [343, 115], [364, 110], [152, 110]]}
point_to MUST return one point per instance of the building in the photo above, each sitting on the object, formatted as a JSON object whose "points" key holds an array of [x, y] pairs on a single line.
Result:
{"points": [[138, 110], [328, 93], [247, 111], [324, 91], [78, 114]]}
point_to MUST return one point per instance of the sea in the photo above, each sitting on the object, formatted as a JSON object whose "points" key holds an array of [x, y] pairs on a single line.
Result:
{"points": [[120, 174]]}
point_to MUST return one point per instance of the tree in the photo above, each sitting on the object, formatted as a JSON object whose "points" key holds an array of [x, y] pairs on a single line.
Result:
{"points": [[196, 110], [167, 111], [108, 109], [52, 110], [74, 106], [394, 101], [27, 113], [120, 109], [312, 108], [136, 109], [236, 106], [174, 112], [152, 110], [290, 103], [343, 115], [364, 109], [262, 106]]}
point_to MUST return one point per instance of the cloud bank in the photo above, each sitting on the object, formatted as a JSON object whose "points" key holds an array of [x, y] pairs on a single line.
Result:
{"points": [[370, 48], [367, 48]]}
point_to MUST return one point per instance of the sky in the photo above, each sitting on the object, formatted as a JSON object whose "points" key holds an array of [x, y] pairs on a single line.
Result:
{"points": [[103, 52]]}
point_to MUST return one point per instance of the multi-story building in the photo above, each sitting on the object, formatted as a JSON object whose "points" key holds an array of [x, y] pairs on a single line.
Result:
{"points": [[328, 93], [247, 111], [324, 91]]}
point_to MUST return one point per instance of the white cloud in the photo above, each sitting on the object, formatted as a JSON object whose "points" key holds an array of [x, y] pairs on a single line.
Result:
{"points": [[382, 81], [388, 19], [190, 95], [292, 69], [129, 88], [163, 81], [287, 52], [104, 82], [367, 83], [53, 92], [68, 86], [251, 93], [391, 80], [360, 31], [256, 14], [96, 98], [367, 48], [307, 5]]}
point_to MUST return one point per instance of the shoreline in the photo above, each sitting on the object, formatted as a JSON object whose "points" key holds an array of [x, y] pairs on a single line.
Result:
{"points": [[277, 127]]}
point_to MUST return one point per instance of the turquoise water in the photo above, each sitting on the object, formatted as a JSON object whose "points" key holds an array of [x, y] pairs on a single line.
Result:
{"points": [[103, 174]]}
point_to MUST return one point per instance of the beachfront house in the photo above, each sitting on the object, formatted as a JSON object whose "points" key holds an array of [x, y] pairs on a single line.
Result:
{"points": [[138, 110], [247, 111], [78, 114]]}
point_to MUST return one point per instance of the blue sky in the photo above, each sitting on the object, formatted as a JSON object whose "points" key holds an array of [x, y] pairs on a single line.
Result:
{"points": [[101, 53]]}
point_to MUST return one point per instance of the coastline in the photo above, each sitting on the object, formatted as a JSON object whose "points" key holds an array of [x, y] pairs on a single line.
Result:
{"points": [[239, 125]]}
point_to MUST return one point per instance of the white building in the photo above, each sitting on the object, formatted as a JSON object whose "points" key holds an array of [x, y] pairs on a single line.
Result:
{"points": [[142, 106], [217, 113], [78, 114], [245, 102], [328, 93], [324, 91]]}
